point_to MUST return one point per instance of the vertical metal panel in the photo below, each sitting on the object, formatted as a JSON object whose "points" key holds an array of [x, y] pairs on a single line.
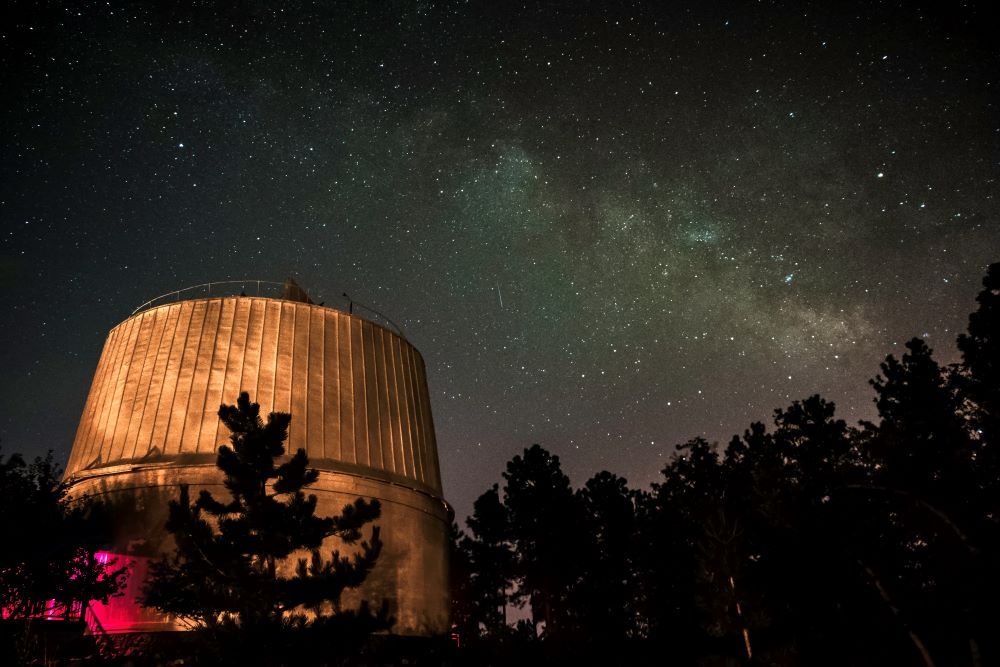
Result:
{"points": [[414, 425], [418, 401], [262, 388], [138, 340], [216, 376], [185, 379], [299, 380], [109, 380], [251, 350], [404, 369], [390, 416], [111, 400], [433, 468], [360, 403], [283, 362], [84, 434], [315, 411], [346, 381], [331, 386], [395, 402], [204, 357], [371, 396], [168, 392], [150, 418], [142, 390], [234, 364], [84, 440], [117, 393]]}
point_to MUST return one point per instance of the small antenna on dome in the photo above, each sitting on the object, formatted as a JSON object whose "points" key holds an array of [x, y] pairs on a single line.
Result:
{"points": [[399, 329]]}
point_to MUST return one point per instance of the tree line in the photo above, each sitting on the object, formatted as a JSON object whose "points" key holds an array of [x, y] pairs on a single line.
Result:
{"points": [[805, 541]]}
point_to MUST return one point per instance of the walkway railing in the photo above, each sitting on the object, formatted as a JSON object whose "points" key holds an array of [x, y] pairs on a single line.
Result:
{"points": [[269, 289]]}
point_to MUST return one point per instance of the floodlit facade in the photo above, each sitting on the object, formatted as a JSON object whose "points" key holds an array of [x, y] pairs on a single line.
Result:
{"points": [[357, 393]]}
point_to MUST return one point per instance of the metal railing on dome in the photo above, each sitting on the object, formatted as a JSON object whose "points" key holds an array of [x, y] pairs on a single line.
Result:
{"points": [[268, 289]]}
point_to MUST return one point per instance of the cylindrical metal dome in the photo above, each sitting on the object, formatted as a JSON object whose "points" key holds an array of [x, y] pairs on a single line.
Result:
{"points": [[356, 391]]}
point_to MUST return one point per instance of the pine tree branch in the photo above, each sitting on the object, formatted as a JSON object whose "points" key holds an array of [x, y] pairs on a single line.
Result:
{"points": [[966, 542]]}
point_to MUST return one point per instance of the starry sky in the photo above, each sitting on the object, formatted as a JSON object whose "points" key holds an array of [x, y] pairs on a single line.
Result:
{"points": [[608, 226]]}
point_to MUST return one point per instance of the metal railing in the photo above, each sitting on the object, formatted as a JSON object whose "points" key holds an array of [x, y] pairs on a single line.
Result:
{"points": [[267, 289], [221, 288]]}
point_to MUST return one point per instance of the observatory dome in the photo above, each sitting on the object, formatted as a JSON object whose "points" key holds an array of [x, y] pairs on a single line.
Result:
{"points": [[357, 393]]}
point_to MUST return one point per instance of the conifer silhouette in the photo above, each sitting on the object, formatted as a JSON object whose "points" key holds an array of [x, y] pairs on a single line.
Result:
{"points": [[230, 576]]}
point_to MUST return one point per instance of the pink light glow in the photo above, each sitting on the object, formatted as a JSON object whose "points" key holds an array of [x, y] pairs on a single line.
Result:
{"points": [[121, 614], [125, 613]]}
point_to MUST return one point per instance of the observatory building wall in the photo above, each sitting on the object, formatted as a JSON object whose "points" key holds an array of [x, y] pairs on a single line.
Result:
{"points": [[358, 397]]}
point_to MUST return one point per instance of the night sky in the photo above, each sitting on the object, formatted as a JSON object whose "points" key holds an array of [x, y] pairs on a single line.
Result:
{"points": [[608, 227]]}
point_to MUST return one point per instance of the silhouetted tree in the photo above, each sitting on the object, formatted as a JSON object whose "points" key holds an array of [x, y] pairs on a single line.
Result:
{"points": [[921, 443], [809, 542], [980, 348], [922, 463], [670, 521], [50, 548], [464, 607], [978, 380], [545, 531], [491, 559], [803, 568], [602, 601], [231, 574]]}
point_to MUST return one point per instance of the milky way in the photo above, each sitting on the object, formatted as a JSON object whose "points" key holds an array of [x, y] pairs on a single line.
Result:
{"points": [[608, 229]]}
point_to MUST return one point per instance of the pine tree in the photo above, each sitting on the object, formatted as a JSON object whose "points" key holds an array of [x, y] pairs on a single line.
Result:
{"points": [[979, 380], [464, 601], [546, 531], [50, 555], [231, 575], [491, 560], [921, 442], [603, 603], [923, 464]]}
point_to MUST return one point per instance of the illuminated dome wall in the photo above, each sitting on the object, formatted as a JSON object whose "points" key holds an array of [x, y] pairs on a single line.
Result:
{"points": [[356, 391]]}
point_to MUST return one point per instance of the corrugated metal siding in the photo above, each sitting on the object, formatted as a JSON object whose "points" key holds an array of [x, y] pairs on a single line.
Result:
{"points": [[357, 392]]}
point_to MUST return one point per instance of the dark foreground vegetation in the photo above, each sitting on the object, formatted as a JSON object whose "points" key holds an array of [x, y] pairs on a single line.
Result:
{"points": [[230, 576], [226, 576], [49, 566], [801, 542]]}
